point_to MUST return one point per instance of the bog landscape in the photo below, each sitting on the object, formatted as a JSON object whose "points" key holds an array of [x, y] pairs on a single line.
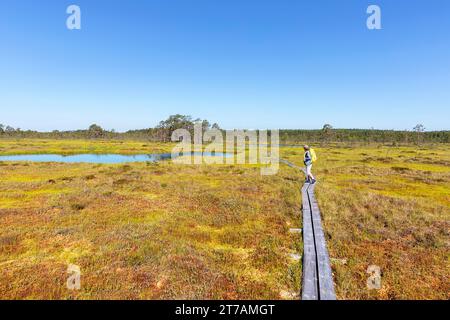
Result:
{"points": [[161, 230], [224, 158]]}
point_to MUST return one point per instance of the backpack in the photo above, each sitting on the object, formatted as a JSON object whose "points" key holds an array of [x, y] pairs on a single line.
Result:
{"points": [[313, 155]]}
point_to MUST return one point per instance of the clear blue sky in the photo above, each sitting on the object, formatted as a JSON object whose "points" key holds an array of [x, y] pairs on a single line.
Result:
{"points": [[242, 63]]}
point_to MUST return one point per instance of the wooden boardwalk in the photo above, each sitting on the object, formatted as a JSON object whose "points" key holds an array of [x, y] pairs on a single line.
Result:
{"points": [[317, 276]]}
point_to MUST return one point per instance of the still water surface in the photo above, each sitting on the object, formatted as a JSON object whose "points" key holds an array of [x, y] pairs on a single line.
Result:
{"points": [[102, 158]]}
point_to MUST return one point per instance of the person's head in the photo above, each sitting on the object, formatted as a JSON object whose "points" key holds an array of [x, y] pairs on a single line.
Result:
{"points": [[306, 147]]}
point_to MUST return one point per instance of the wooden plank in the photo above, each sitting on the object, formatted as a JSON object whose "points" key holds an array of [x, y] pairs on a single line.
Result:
{"points": [[325, 276], [310, 290], [317, 274]]}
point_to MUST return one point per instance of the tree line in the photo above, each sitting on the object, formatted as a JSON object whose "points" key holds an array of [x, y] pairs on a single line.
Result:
{"points": [[163, 131]]}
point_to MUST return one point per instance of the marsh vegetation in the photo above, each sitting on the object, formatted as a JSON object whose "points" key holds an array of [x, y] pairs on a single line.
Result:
{"points": [[168, 231], [390, 207]]}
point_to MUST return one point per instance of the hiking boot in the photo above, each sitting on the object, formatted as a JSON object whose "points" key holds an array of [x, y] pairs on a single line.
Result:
{"points": [[313, 181]]}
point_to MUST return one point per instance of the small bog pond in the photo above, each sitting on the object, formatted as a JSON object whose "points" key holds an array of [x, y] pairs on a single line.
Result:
{"points": [[104, 158]]}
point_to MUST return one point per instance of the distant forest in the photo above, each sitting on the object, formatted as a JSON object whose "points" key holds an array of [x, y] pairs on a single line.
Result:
{"points": [[162, 133]]}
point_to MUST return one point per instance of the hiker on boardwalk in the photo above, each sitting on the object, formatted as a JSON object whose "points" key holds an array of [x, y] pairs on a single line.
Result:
{"points": [[309, 158]]}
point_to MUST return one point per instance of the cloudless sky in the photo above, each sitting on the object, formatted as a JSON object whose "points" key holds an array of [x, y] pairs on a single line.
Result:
{"points": [[241, 63]]}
